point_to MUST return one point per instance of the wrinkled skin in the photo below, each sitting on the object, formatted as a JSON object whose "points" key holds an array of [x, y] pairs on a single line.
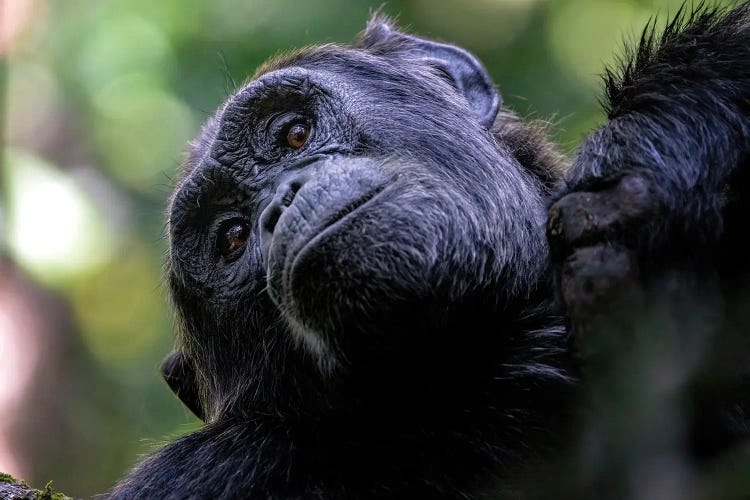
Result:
{"points": [[390, 324]]}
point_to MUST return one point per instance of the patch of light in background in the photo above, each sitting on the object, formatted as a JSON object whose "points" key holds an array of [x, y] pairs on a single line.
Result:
{"points": [[53, 228]]}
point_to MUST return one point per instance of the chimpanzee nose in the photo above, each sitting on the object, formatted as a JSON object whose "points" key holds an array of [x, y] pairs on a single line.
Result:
{"points": [[270, 216]]}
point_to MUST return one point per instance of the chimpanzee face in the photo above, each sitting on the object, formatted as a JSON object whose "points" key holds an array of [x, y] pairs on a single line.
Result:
{"points": [[353, 198]]}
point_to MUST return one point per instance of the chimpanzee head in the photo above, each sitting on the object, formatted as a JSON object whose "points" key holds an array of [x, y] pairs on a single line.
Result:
{"points": [[355, 217]]}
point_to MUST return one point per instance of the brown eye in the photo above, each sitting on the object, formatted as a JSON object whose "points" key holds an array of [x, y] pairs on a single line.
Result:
{"points": [[298, 135], [233, 237]]}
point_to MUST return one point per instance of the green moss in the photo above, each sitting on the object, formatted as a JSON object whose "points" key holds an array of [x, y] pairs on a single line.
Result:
{"points": [[7, 478], [48, 493]]}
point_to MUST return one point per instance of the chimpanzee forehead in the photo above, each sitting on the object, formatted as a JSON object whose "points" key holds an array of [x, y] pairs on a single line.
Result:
{"points": [[339, 59], [316, 54]]}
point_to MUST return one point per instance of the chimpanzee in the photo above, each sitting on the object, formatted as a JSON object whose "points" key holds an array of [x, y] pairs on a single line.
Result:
{"points": [[371, 300]]}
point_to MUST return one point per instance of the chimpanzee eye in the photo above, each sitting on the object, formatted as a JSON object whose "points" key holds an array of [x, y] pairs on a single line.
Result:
{"points": [[233, 236], [298, 135]]}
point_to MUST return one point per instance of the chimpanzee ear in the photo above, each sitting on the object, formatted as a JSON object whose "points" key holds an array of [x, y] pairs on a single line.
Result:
{"points": [[464, 71], [179, 374]]}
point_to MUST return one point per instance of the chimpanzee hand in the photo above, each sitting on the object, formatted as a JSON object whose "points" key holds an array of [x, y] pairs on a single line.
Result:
{"points": [[595, 235], [653, 190]]}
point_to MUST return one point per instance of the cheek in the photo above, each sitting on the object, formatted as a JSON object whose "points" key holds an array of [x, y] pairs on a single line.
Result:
{"points": [[196, 263]]}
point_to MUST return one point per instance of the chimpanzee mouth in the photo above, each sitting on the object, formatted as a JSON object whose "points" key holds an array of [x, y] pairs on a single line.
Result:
{"points": [[280, 274], [332, 224]]}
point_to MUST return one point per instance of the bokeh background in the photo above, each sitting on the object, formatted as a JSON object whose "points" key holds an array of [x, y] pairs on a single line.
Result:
{"points": [[98, 98]]}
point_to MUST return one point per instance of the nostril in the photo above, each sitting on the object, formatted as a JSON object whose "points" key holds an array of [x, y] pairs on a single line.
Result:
{"points": [[294, 186], [267, 224], [288, 197], [270, 216]]}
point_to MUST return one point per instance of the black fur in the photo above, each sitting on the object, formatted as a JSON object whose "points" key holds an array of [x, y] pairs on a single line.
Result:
{"points": [[395, 332]]}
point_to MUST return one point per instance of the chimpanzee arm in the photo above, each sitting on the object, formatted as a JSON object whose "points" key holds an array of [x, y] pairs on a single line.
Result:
{"points": [[648, 215]]}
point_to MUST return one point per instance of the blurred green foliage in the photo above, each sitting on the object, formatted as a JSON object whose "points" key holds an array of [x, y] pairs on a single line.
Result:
{"points": [[100, 99]]}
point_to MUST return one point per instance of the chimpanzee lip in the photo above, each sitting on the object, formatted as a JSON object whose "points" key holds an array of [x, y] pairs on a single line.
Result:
{"points": [[330, 226]]}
